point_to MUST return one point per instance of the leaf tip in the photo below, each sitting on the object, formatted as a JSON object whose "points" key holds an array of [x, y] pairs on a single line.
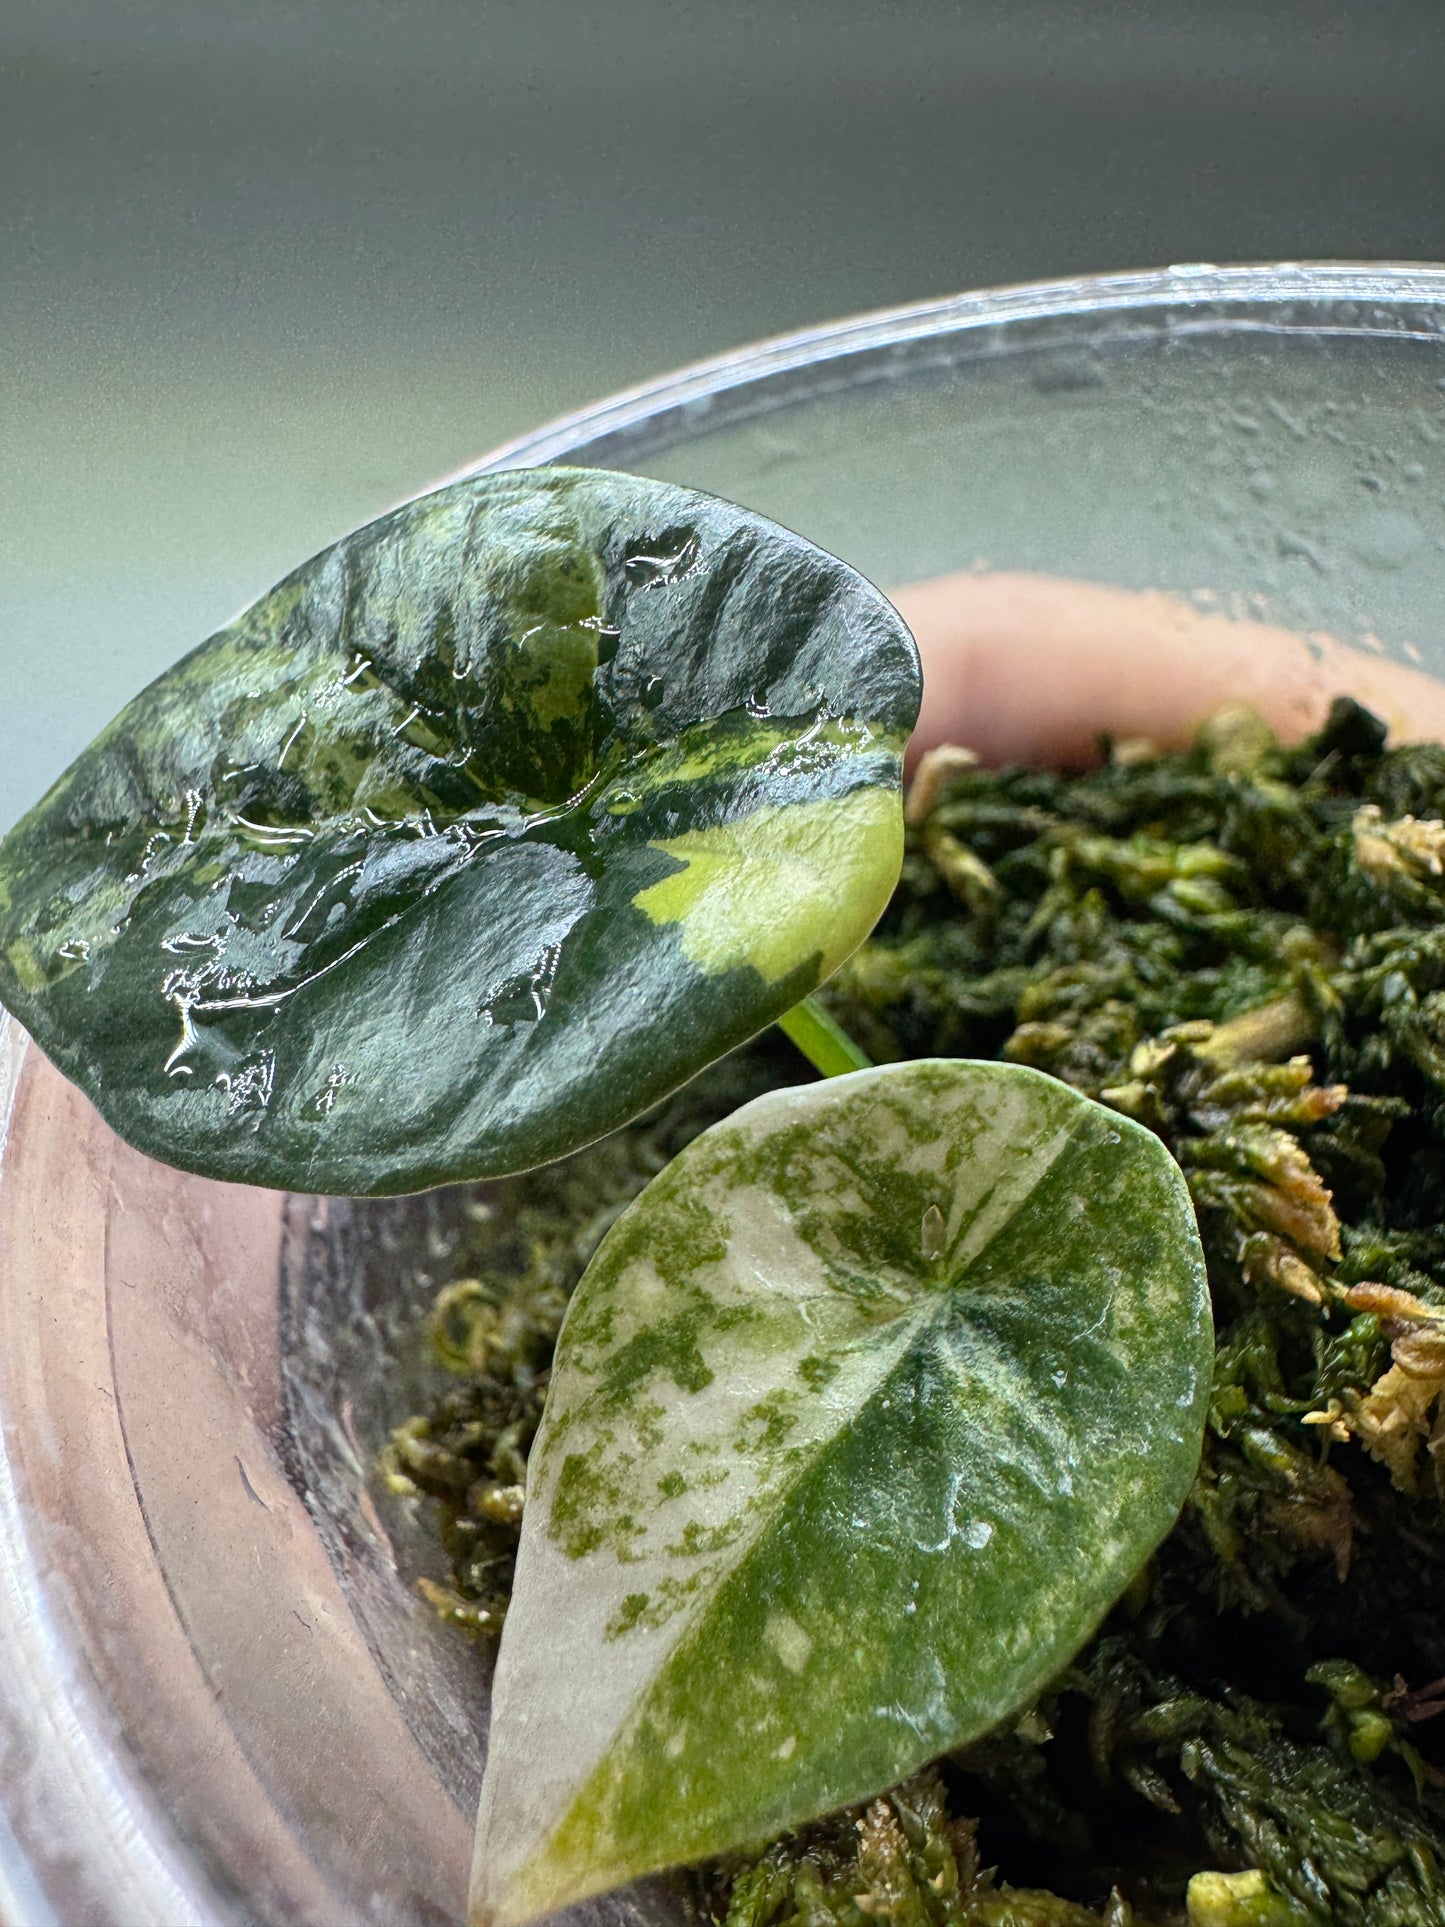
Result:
{"points": [[507, 1892], [524, 1867], [492, 1902]]}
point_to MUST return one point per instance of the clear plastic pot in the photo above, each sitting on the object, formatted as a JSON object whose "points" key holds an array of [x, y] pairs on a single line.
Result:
{"points": [[220, 1697]]}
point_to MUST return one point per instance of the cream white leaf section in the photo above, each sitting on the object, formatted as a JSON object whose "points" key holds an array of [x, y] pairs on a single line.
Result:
{"points": [[783, 885], [849, 1262]]}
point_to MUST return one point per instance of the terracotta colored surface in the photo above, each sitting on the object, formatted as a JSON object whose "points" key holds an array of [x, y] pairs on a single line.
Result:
{"points": [[138, 1373], [1032, 666]]}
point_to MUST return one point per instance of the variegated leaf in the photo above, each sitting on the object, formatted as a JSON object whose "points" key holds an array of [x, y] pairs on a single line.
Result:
{"points": [[486, 828], [862, 1416]]}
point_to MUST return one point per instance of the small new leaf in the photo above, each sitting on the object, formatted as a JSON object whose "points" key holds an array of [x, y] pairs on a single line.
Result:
{"points": [[485, 829], [862, 1416]]}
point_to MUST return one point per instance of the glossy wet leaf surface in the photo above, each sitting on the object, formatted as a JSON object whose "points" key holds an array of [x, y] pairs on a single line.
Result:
{"points": [[862, 1416], [484, 829]]}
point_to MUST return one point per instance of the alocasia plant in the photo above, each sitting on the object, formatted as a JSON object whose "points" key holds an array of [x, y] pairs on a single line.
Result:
{"points": [[489, 826]]}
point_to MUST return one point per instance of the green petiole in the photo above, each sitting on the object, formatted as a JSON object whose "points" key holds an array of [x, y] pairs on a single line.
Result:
{"points": [[826, 1045]]}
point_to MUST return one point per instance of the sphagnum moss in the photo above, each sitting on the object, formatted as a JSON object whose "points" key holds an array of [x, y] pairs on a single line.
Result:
{"points": [[1242, 947]]}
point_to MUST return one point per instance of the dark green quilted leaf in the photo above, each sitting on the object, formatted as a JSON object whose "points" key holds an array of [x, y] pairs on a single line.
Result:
{"points": [[862, 1416], [483, 830]]}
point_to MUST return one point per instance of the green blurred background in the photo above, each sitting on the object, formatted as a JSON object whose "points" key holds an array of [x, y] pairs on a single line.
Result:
{"points": [[267, 268]]}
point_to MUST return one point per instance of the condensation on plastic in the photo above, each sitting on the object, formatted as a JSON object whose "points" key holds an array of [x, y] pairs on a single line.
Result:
{"points": [[1266, 441], [220, 1698]]}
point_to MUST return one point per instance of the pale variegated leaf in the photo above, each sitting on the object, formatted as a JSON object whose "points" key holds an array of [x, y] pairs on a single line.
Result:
{"points": [[862, 1416]]}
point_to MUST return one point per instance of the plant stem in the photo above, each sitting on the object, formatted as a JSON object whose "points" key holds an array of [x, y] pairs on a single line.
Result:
{"points": [[826, 1045]]}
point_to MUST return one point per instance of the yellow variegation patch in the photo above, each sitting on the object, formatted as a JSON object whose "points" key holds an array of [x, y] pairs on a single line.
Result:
{"points": [[783, 886]]}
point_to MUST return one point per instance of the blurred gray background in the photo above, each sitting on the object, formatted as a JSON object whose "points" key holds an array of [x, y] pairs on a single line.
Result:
{"points": [[267, 268]]}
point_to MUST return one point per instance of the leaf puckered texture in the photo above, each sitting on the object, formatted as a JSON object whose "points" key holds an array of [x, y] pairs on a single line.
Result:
{"points": [[862, 1416], [483, 830]]}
